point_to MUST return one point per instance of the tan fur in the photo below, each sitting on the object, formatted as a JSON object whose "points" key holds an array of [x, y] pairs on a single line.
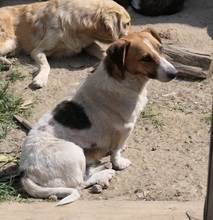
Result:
{"points": [[60, 27]]}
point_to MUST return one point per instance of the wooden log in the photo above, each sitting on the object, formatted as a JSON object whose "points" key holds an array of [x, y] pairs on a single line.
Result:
{"points": [[23, 122], [190, 63]]}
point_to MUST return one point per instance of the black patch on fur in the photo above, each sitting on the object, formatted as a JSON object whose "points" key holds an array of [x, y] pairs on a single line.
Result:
{"points": [[72, 115]]}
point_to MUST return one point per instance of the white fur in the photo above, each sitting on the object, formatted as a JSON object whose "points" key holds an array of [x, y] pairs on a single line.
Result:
{"points": [[52, 157], [55, 158], [164, 65]]}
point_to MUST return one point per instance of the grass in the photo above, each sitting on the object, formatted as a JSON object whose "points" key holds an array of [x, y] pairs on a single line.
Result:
{"points": [[7, 191], [10, 193], [10, 105], [207, 117], [14, 75], [151, 113]]}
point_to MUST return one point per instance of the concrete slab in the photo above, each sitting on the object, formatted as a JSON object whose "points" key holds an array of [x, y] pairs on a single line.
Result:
{"points": [[103, 210]]}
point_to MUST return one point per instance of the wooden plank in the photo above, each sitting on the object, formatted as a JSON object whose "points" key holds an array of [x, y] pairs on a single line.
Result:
{"points": [[104, 210]]}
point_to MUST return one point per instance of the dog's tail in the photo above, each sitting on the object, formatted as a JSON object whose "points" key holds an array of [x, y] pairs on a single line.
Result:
{"points": [[68, 194]]}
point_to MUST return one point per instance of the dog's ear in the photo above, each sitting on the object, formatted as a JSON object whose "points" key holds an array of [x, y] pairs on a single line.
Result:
{"points": [[153, 33], [111, 24], [117, 53]]}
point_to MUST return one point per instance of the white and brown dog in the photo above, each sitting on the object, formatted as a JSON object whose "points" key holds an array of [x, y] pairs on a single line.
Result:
{"points": [[60, 149], [59, 27]]}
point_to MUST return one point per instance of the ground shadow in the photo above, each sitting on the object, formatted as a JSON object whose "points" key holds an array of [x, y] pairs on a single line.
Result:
{"points": [[197, 13]]}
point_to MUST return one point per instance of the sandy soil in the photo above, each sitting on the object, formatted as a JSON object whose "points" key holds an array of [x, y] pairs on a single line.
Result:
{"points": [[170, 150]]}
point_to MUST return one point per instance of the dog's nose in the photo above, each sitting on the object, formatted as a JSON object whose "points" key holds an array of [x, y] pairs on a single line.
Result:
{"points": [[172, 72]]}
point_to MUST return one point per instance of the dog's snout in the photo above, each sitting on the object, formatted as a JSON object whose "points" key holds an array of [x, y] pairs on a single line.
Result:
{"points": [[166, 71], [172, 72]]}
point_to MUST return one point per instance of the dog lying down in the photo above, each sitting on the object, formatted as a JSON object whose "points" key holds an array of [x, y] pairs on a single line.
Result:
{"points": [[59, 27], [60, 153]]}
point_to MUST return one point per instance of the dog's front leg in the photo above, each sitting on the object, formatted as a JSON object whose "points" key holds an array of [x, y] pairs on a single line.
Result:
{"points": [[96, 51], [118, 161], [40, 80]]}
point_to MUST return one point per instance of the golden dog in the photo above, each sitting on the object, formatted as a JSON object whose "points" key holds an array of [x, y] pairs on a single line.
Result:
{"points": [[59, 27]]}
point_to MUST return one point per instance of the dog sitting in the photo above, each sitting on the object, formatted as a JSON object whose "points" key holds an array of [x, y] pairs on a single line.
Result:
{"points": [[60, 153], [59, 27]]}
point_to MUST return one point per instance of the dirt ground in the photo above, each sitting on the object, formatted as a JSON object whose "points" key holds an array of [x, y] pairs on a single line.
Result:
{"points": [[169, 151]]}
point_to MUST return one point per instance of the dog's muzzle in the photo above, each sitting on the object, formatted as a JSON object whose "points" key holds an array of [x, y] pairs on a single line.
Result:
{"points": [[166, 71]]}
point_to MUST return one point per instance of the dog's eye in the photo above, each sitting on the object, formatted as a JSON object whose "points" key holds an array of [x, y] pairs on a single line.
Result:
{"points": [[147, 58], [126, 24]]}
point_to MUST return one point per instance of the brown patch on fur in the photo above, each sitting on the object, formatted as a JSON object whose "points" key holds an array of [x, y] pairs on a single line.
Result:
{"points": [[133, 55], [94, 153]]}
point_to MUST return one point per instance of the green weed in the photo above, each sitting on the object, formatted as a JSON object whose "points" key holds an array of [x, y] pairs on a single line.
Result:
{"points": [[10, 193], [178, 107], [14, 75], [9, 103], [151, 113], [207, 117]]}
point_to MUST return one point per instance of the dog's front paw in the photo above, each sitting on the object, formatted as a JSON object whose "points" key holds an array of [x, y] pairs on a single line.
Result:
{"points": [[39, 81], [121, 163]]}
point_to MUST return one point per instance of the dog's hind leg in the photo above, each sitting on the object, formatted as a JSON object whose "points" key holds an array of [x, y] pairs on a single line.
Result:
{"points": [[101, 178], [8, 43], [6, 47], [5, 64], [94, 168]]}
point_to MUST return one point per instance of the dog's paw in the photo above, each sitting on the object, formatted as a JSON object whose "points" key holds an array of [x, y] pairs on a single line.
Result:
{"points": [[121, 163], [105, 177], [39, 81], [108, 165], [5, 64]]}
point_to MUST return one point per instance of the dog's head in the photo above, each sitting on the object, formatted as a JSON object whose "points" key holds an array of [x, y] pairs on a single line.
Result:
{"points": [[139, 53], [114, 22]]}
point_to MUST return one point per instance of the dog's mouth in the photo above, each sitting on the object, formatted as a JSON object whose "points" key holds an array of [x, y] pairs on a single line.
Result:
{"points": [[152, 75], [163, 77]]}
